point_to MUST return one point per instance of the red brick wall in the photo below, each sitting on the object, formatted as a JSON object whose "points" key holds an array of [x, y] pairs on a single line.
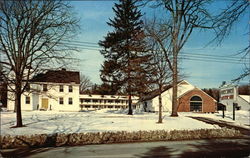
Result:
{"points": [[208, 104]]}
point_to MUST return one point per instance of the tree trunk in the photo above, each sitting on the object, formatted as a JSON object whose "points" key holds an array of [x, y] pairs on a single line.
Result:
{"points": [[130, 111], [19, 122], [160, 108], [15, 105], [175, 76]]}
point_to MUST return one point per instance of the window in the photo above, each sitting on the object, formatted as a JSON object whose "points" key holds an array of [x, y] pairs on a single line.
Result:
{"points": [[196, 104], [27, 100], [110, 107], [45, 87], [70, 101], [87, 106], [87, 100], [117, 101], [95, 106], [61, 88], [110, 101], [94, 100], [60, 100], [195, 98], [70, 89]]}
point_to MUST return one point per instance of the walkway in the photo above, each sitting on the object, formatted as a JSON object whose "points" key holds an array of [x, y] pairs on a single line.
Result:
{"points": [[244, 131]]}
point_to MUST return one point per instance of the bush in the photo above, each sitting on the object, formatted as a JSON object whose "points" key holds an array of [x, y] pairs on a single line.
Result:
{"points": [[43, 140]]}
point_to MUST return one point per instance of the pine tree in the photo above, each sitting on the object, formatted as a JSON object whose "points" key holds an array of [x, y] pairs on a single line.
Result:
{"points": [[125, 51]]}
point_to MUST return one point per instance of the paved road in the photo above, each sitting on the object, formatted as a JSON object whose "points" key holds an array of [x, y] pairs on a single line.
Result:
{"points": [[197, 148]]}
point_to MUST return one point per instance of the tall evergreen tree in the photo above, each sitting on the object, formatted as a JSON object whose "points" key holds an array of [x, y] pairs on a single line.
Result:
{"points": [[125, 51]]}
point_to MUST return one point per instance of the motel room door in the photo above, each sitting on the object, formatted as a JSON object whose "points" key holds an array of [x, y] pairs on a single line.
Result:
{"points": [[45, 103]]}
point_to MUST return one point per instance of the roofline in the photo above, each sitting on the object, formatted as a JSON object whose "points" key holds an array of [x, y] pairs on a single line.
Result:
{"points": [[185, 92], [109, 95], [35, 82], [195, 88], [245, 99], [206, 93], [151, 98]]}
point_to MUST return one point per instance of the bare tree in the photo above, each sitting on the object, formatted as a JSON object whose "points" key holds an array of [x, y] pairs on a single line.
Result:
{"points": [[85, 84], [157, 37], [31, 32], [183, 17], [229, 17], [226, 20]]}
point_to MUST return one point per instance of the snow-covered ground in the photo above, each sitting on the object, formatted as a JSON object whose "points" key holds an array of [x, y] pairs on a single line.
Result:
{"points": [[40, 122], [242, 118]]}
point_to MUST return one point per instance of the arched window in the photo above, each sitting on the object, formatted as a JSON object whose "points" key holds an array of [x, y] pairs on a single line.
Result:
{"points": [[196, 98], [196, 104]]}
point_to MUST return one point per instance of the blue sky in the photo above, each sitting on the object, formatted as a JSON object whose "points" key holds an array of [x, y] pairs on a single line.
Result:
{"points": [[95, 14]]}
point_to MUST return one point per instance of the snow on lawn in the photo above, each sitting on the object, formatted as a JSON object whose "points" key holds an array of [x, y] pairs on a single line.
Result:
{"points": [[242, 118], [40, 122]]}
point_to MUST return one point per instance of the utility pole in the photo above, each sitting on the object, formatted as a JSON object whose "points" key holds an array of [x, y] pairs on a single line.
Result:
{"points": [[223, 111], [234, 106]]}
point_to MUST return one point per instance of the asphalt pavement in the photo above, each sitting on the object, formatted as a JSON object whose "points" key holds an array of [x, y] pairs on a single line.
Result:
{"points": [[233, 148]]}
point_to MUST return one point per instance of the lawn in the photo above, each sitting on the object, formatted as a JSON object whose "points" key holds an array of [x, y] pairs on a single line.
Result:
{"points": [[48, 122]]}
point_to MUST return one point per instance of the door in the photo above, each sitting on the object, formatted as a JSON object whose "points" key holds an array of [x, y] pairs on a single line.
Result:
{"points": [[196, 104], [45, 103]]}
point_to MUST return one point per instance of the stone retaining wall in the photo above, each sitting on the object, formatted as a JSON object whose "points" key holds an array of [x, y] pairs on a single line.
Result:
{"points": [[72, 139]]}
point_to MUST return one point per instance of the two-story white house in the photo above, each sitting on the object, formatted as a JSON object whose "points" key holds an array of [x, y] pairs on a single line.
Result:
{"points": [[54, 90]]}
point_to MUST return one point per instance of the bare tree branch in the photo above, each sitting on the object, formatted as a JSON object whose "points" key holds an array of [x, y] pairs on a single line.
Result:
{"points": [[30, 35]]}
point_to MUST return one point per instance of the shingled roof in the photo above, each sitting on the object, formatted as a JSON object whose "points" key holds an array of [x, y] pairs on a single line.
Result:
{"points": [[58, 76], [156, 92]]}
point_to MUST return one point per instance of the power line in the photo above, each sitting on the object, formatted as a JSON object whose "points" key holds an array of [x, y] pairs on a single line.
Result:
{"points": [[81, 42], [213, 58], [184, 55], [216, 61], [95, 45], [209, 55]]}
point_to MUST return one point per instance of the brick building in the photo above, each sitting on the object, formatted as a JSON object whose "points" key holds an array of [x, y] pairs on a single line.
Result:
{"points": [[190, 98]]}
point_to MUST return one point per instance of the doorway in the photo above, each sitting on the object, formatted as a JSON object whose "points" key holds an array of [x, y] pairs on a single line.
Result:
{"points": [[45, 103], [196, 104]]}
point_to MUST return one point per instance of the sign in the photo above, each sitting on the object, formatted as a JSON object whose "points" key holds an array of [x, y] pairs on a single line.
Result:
{"points": [[228, 92], [228, 96]]}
